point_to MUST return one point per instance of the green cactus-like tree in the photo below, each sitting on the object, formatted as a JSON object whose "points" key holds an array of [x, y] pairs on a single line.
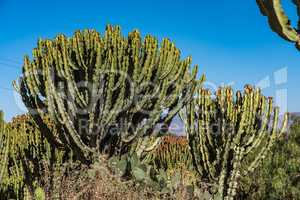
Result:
{"points": [[106, 91], [28, 160], [4, 149], [224, 130], [279, 21]]}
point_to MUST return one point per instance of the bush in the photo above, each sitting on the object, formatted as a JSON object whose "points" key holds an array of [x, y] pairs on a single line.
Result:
{"points": [[278, 177]]}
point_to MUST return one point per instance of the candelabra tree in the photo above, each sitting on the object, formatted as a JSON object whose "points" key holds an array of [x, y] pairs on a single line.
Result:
{"points": [[28, 161], [223, 131], [279, 21], [4, 149], [104, 92]]}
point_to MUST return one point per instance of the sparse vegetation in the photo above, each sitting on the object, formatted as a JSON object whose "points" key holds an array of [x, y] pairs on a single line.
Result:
{"points": [[94, 103]]}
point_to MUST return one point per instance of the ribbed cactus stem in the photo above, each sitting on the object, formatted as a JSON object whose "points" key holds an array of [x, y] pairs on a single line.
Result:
{"points": [[279, 21]]}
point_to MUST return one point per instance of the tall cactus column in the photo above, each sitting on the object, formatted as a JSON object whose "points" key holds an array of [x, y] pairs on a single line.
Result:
{"points": [[4, 151], [223, 131], [105, 91]]}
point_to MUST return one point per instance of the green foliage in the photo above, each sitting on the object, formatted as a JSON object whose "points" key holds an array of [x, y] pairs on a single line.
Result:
{"points": [[224, 131], [39, 194], [279, 21], [91, 85], [278, 177], [131, 166]]}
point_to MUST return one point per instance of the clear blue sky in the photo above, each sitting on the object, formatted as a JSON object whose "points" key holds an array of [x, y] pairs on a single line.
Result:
{"points": [[230, 40]]}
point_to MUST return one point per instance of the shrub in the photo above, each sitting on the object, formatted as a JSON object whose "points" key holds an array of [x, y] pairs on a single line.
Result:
{"points": [[278, 177]]}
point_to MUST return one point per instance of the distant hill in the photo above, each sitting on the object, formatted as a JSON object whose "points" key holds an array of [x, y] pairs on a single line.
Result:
{"points": [[296, 113], [177, 126]]}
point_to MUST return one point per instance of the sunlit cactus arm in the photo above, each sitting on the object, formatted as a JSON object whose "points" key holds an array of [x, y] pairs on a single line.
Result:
{"points": [[235, 174], [146, 144], [275, 134], [254, 141], [279, 21]]}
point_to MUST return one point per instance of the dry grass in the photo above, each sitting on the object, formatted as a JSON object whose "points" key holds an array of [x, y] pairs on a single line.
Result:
{"points": [[106, 186]]}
